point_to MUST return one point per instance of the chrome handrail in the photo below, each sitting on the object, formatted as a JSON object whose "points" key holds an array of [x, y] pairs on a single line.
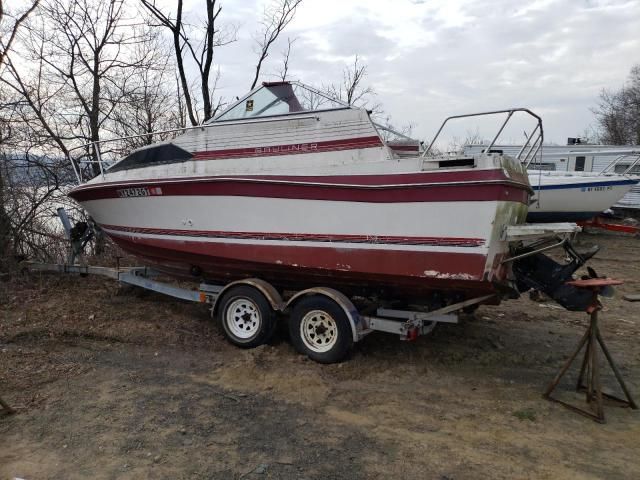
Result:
{"points": [[531, 151], [96, 144], [379, 126], [197, 127]]}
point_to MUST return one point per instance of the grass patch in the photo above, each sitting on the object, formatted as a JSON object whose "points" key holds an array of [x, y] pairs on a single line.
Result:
{"points": [[525, 414]]}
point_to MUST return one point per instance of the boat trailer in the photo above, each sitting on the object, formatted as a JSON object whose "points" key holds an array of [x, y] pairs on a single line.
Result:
{"points": [[408, 324], [533, 271], [532, 268], [324, 322]]}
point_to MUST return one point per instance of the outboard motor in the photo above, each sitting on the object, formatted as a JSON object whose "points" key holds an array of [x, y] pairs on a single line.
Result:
{"points": [[542, 273], [79, 234], [78, 231]]}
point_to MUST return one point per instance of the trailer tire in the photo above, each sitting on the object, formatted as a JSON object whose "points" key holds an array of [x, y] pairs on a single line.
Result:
{"points": [[320, 329], [246, 317]]}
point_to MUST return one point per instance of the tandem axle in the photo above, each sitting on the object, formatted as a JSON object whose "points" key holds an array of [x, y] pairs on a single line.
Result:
{"points": [[324, 323]]}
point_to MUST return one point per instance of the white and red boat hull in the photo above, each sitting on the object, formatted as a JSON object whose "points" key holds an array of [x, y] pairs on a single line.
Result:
{"points": [[309, 197], [408, 232]]}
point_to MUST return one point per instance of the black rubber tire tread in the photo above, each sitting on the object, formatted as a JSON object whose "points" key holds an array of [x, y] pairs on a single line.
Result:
{"points": [[267, 315], [345, 336]]}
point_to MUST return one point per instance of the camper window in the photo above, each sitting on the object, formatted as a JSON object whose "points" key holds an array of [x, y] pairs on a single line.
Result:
{"points": [[622, 167]]}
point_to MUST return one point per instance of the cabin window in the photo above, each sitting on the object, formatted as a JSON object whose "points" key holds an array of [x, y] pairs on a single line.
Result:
{"points": [[279, 98], [159, 154], [266, 101], [580, 161]]}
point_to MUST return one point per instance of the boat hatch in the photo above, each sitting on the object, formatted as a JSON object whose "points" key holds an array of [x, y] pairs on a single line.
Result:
{"points": [[457, 162], [279, 98]]}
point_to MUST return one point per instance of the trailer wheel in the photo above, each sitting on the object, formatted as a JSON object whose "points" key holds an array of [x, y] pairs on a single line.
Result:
{"points": [[319, 328], [246, 317]]}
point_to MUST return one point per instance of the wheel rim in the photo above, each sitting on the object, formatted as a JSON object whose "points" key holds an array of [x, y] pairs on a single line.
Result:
{"points": [[319, 331], [243, 318]]}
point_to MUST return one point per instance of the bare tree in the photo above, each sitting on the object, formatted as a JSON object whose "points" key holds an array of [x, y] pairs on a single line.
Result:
{"points": [[74, 60], [186, 42], [618, 112], [8, 35], [78, 53], [275, 19], [351, 89], [89, 54], [5, 221], [472, 137], [286, 54], [148, 101], [11, 31], [30, 181]]}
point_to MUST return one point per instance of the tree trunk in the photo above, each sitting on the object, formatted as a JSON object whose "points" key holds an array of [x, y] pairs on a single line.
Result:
{"points": [[5, 225]]}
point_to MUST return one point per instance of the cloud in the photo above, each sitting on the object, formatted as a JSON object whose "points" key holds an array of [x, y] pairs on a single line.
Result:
{"points": [[431, 59], [346, 40]]}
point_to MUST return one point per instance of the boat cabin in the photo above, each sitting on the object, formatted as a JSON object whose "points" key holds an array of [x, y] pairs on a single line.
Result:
{"points": [[287, 126], [304, 128]]}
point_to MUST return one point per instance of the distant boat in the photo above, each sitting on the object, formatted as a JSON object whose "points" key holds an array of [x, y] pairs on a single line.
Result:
{"points": [[574, 196], [578, 182]]}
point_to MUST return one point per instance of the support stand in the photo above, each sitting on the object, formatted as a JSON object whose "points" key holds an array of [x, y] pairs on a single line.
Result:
{"points": [[590, 367]]}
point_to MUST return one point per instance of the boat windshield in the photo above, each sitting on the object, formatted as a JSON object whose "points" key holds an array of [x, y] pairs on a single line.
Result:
{"points": [[279, 98]]}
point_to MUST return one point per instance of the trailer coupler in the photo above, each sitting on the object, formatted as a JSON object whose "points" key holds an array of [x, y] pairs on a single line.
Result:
{"points": [[537, 271]]}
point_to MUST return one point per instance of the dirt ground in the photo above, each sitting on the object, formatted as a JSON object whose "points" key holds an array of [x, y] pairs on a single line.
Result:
{"points": [[112, 382]]}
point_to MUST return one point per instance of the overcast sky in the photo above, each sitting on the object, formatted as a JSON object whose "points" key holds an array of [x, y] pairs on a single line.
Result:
{"points": [[428, 59]]}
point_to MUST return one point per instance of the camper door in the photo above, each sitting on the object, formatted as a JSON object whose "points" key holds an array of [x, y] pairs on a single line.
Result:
{"points": [[580, 163]]}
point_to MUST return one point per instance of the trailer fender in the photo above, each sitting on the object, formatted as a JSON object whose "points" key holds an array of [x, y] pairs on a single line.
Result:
{"points": [[357, 327], [268, 290]]}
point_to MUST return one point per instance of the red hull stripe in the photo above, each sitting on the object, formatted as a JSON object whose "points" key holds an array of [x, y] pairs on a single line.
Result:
{"points": [[365, 180], [307, 189], [305, 237], [301, 264], [289, 149]]}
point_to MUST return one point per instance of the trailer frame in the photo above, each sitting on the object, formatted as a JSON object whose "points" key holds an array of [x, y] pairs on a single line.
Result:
{"points": [[250, 305], [408, 324]]}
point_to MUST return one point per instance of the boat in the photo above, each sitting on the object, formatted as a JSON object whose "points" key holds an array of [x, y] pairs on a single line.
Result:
{"points": [[302, 193], [575, 196], [574, 184]]}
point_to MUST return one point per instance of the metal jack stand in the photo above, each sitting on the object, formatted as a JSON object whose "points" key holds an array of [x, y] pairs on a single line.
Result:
{"points": [[6, 409], [590, 366]]}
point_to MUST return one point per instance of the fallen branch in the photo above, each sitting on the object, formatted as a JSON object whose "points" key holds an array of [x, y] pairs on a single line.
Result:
{"points": [[5, 406]]}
